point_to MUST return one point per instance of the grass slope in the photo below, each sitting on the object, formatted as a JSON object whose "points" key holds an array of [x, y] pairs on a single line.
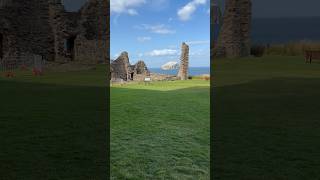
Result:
{"points": [[160, 131], [266, 118], [53, 127]]}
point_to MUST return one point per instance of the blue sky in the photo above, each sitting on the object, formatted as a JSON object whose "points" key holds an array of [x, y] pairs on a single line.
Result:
{"points": [[153, 30]]}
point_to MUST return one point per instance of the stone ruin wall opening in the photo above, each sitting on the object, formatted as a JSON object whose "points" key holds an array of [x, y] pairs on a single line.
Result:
{"points": [[87, 44], [59, 32], [69, 45], [131, 75]]}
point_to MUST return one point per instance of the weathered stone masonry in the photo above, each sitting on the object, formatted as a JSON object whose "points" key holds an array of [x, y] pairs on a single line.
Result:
{"points": [[121, 69], [234, 38], [184, 62], [44, 28]]}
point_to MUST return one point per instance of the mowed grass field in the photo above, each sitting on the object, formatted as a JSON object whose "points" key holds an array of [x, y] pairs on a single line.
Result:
{"points": [[54, 126], [266, 119], [160, 130]]}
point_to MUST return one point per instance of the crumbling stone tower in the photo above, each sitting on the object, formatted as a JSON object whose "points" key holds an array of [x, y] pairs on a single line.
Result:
{"points": [[234, 38], [184, 62]]}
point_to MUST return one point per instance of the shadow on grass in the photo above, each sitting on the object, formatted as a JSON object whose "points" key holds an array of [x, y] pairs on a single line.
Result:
{"points": [[160, 134], [52, 131], [267, 129]]}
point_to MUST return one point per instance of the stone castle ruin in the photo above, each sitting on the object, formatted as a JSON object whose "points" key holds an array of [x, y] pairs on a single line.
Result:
{"points": [[44, 28], [122, 70], [184, 62], [234, 37]]}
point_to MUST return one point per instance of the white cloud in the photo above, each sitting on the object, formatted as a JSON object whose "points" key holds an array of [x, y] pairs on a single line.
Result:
{"points": [[186, 11], [132, 12], [200, 1], [143, 39], [125, 6], [198, 42], [158, 29], [116, 55], [173, 46], [162, 52], [200, 53]]}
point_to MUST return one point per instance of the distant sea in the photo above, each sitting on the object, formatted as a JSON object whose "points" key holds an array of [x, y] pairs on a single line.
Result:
{"points": [[283, 30], [193, 71]]}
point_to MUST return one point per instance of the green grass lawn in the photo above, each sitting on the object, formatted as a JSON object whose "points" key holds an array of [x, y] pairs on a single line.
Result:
{"points": [[54, 126], [266, 119], [160, 131]]}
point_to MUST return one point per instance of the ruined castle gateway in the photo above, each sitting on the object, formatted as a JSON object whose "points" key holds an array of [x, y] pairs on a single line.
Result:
{"points": [[184, 62], [234, 38], [43, 27]]}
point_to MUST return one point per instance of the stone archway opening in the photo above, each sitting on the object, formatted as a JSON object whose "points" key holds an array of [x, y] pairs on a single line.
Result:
{"points": [[69, 46], [131, 75]]}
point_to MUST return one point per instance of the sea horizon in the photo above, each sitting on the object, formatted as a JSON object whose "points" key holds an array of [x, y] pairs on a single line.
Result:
{"points": [[193, 71]]}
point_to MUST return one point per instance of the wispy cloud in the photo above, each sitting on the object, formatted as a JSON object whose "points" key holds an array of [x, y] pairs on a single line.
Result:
{"points": [[125, 6], [116, 55], [200, 53], [132, 12], [158, 29], [140, 55], [162, 52], [186, 11], [198, 42], [143, 39], [158, 5]]}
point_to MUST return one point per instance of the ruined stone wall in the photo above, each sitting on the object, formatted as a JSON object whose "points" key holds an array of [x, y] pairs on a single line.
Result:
{"points": [[120, 67], [7, 36], [184, 62], [139, 77], [141, 68], [88, 51], [65, 26], [43, 26], [92, 43], [234, 38], [29, 30], [85, 26]]}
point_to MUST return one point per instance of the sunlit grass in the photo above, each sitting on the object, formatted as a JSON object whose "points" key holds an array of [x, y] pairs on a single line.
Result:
{"points": [[160, 130]]}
